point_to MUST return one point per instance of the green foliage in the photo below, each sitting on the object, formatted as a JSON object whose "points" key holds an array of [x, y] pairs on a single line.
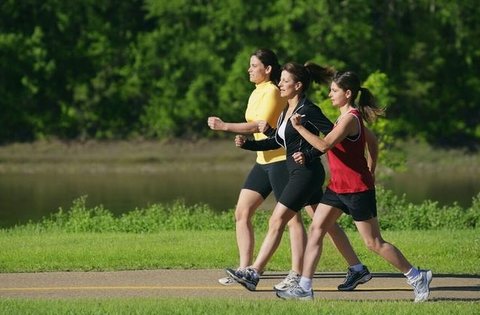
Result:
{"points": [[158, 217], [157, 69], [389, 154], [394, 214]]}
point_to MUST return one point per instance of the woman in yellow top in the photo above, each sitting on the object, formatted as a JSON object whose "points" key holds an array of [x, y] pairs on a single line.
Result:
{"points": [[270, 170]]}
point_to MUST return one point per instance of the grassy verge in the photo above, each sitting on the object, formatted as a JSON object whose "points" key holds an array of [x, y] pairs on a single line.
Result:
{"points": [[228, 306], [83, 240], [57, 251]]}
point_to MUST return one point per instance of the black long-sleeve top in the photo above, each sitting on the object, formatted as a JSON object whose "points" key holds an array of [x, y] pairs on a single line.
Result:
{"points": [[314, 120]]}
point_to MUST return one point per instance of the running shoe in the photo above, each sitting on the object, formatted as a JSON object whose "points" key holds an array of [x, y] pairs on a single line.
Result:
{"points": [[228, 280], [290, 281], [247, 277], [355, 278], [296, 293], [421, 285]]}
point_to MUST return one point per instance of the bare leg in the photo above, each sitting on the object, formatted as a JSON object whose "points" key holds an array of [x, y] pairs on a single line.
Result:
{"points": [[370, 232], [248, 202], [279, 219], [323, 220], [339, 239], [342, 243], [298, 241]]}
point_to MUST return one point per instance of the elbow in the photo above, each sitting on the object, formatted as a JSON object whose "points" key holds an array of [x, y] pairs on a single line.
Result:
{"points": [[322, 148], [325, 146]]}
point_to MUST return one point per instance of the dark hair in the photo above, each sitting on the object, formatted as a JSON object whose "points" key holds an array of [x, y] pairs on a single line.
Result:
{"points": [[269, 58], [367, 105], [308, 73]]}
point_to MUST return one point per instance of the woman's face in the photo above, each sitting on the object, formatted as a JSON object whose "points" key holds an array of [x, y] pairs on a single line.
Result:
{"points": [[338, 96], [287, 85], [257, 71]]}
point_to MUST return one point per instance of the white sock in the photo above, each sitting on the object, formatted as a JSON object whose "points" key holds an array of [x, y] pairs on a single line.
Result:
{"points": [[357, 267], [412, 273], [305, 283]]}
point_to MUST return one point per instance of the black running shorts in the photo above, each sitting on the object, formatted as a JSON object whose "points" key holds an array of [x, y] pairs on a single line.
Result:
{"points": [[304, 185], [361, 206], [263, 178]]}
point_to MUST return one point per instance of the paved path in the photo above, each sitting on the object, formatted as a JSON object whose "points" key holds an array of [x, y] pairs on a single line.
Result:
{"points": [[203, 283]]}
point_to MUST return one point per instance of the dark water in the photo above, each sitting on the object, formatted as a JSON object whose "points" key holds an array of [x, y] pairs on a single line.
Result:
{"points": [[25, 197]]}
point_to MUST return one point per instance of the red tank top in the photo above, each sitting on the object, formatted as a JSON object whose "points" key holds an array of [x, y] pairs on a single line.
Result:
{"points": [[349, 172]]}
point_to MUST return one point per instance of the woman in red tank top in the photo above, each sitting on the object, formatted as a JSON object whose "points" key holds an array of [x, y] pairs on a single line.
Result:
{"points": [[351, 189]]}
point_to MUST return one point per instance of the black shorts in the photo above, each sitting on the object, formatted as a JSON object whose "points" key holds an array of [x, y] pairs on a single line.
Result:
{"points": [[263, 178], [305, 184], [361, 206]]}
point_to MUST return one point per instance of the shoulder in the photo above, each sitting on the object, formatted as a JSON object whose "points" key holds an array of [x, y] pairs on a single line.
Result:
{"points": [[267, 87], [347, 120], [311, 108], [271, 88], [355, 113], [269, 92]]}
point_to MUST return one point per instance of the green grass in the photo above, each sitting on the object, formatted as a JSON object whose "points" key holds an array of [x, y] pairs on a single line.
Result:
{"points": [[27, 249], [227, 306], [55, 251], [444, 239]]}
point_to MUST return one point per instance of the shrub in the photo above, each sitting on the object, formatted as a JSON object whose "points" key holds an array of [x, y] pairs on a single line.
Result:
{"points": [[394, 212]]}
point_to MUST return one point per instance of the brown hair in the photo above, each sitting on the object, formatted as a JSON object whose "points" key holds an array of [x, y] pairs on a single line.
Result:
{"points": [[367, 104], [308, 73], [269, 58]]}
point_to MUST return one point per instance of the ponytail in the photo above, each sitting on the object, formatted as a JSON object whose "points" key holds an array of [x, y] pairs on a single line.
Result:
{"points": [[367, 105], [319, 74]]}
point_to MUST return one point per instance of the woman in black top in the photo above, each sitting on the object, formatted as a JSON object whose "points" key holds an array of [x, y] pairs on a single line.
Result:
{"points": [[306, 172]]}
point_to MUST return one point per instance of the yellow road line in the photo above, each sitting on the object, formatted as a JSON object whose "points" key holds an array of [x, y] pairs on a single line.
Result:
{"points": [[260, 289]]}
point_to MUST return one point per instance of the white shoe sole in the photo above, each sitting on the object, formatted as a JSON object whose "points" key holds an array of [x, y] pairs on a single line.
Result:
{"points": [[226, 281]]}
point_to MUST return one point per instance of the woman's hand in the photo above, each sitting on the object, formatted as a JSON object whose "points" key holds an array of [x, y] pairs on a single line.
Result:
{"points": [[240, 140], [215, 123], [296, 120], [299, 157], [262, 126]]}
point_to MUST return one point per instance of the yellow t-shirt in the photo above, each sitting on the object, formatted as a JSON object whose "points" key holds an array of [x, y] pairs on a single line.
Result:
{"points": [[266, 104]]}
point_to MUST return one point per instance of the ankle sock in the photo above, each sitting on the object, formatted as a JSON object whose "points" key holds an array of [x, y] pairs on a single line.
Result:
{"points": [[412, 273], [305, 283]]}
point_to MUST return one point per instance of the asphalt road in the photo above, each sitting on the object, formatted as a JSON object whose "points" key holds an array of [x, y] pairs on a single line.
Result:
{"points": [[203, 284]]}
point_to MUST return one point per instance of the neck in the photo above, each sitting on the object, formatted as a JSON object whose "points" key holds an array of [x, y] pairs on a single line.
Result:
{"points": [[292, 102], [345, 108]]}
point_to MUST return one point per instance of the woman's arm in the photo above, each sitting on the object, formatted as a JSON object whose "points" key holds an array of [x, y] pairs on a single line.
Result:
{"points": [[259, 145], [345, 127], [216, 123], [372, 146], [315, 119]]}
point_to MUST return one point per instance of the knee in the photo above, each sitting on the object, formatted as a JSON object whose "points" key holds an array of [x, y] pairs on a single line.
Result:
{"points": [[316, 231], [244, 214], [295, 223], [373, 245], [276, 224]]}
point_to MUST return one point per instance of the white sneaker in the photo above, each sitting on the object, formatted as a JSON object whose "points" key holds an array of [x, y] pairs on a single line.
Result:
{"points": [[226, 281], [290, 281], [421, 285], [296, 293]]}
